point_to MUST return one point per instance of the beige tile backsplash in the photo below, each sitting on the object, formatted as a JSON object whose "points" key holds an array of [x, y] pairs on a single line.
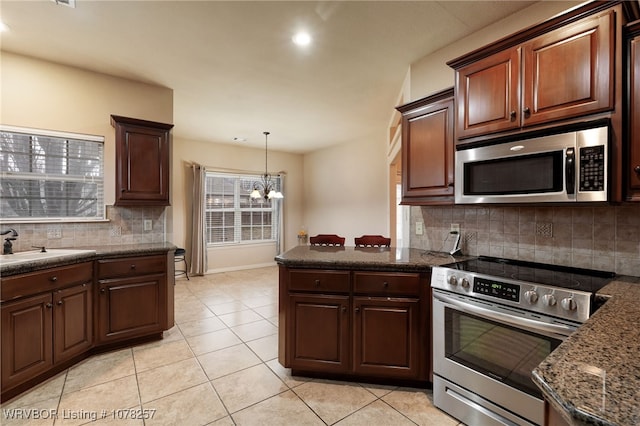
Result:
{"points": [[604, 238], [124, 226]]}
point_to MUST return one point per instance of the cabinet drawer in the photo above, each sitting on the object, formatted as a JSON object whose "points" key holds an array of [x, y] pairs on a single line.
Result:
{"points": [[48, 280], [131, 266], [319, 281], [386, 283]]}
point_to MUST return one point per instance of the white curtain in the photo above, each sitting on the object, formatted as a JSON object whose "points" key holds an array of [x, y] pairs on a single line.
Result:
{"points": [[198, 237]]}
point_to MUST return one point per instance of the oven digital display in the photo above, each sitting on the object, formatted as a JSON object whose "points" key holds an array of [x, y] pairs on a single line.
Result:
{"points": [[497, 289]]}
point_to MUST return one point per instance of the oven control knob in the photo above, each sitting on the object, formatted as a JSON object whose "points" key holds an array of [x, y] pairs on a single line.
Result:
{"points": [[569, 304], [549, 300], [531, 296], [453, 280], [464, 283]]}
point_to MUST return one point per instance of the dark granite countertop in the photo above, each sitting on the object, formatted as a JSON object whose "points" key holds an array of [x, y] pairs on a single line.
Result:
{"points": [[593, 377], [99, 252], [370, 258]]}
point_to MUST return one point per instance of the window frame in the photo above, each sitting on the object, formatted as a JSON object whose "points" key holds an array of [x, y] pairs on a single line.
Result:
{"points": [[243, 183], [65, 137]]}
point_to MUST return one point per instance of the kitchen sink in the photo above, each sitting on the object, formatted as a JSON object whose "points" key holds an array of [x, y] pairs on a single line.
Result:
{"points": [[37, 255]]}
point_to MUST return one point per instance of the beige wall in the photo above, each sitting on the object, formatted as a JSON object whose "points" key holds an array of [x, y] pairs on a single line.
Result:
{"points": [[346, 189], [45, 95], [218, 156]]}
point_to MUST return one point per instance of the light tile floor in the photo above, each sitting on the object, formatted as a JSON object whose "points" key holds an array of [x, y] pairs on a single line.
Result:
{"points": [[217, 366]]}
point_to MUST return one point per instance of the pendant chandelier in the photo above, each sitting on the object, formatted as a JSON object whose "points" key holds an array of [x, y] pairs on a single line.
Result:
{"points": [[265, 189]]}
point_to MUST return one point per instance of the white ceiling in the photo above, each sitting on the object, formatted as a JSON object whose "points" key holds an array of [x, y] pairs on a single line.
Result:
{"points": [[233, 67]]}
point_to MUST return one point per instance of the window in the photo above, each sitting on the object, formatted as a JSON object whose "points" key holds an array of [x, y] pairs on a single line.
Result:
{"points": [[232, 216], [50, 176]]}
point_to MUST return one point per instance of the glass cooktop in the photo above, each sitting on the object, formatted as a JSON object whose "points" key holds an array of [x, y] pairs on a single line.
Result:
{"points": [[588, 280]]}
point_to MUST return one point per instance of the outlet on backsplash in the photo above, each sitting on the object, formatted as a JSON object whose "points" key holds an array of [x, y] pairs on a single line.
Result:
{"points": [[54, 232], [148, 225]]}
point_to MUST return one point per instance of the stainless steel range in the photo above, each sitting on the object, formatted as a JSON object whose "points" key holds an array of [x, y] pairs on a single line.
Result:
{"points": [[494, 321]]}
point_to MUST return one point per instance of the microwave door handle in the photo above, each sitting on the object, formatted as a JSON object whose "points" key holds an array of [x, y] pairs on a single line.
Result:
{"points": [[570, 170]]}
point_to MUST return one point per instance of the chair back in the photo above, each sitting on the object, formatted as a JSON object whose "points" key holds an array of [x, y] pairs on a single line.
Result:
{"points": [[327, 240], [372, 241]]}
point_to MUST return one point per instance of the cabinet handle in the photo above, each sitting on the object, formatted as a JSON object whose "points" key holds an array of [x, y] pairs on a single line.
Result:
{"points": [[59, 302], [637, 169], [317, 283], [357, 310], [102, 290], [133, 266], [527, 111], [344, 309], [512, 114], [53, 279], [49, 305], [385, 284]]}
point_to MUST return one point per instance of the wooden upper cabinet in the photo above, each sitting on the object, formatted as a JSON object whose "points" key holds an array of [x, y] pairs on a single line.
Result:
{"points": [[562, 73], [569, 72], [142, 162], [488, 97], [428, 150], [633, 165]]}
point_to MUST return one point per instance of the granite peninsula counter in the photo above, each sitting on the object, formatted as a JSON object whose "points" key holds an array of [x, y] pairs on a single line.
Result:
{"points": [[354, 313], [593, 377], [370, 258]]}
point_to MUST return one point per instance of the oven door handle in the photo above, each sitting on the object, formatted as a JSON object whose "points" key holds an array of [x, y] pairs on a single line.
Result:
{"points": [[555, 329]]}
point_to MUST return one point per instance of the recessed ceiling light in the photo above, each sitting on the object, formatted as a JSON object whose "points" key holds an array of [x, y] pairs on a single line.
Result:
{"points": [[3, 27], [239, 139], [302, 38]]}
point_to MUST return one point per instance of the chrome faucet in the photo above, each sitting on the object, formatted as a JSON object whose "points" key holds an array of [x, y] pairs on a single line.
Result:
{"points": [[7, 248]]}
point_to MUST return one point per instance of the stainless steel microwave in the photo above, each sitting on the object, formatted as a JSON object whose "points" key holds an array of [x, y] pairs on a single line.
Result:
{"points": [[565, 167]]}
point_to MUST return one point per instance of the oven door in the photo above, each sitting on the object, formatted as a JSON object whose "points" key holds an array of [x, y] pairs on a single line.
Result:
{"points": [[483, 356]]}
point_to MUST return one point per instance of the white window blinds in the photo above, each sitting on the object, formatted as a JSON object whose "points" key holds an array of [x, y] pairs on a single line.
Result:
{"points": [[50, 176], [232, 216]]}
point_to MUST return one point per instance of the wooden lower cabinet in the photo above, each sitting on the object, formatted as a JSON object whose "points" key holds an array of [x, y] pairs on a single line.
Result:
{"points": [[320, 332], [52, 318], [26, 339], [132, 294], [354, 323], [386, 341], [46, 328], [72, 321]]}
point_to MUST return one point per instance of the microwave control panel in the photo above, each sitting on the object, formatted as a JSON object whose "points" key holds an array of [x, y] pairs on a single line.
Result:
{"points": [[592, 168]]}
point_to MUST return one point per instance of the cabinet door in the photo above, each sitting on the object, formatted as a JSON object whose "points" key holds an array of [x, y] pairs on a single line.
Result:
{"points": [[130, 307], [634, 122], [487, 94], [428, 152], [142, 162], [387, 337], [73, 321], [569, 72], [319, 333], [26, 339]]}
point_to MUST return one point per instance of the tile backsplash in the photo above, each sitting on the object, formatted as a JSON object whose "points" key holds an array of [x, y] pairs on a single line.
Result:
{"points": [[603, 238], [125, 225]]}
